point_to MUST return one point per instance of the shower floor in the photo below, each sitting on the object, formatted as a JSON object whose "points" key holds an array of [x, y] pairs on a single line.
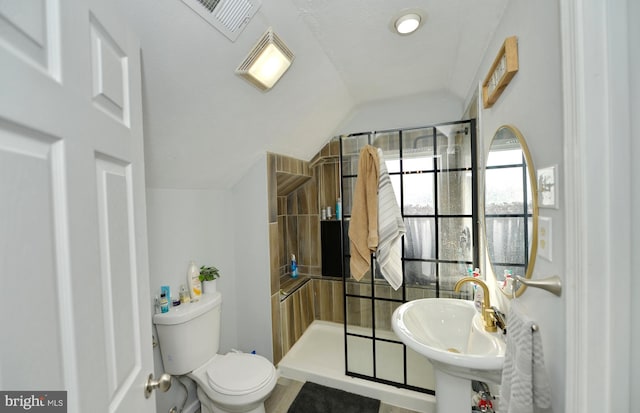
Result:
{"points": [[318, 356]]}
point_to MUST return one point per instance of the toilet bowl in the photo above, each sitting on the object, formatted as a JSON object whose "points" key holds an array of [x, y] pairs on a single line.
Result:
{"points": [[189, 337], [234, 383]]}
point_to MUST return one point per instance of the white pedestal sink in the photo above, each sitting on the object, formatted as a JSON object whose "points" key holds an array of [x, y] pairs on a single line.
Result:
{"points": [[450, 333]]}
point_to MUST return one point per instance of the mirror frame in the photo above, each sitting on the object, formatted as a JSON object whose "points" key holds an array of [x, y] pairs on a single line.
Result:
{"points": [[533, 248]]}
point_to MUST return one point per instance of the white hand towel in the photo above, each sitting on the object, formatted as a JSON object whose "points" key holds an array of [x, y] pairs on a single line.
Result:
{"points": [[524, 377], [390, 229]]}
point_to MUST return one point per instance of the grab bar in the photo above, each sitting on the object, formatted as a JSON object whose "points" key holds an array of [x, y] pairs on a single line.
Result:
{"points": [[552, 284]]}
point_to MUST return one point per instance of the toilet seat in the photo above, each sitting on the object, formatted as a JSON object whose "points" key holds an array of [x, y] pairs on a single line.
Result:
{"points": [[237, 374]]}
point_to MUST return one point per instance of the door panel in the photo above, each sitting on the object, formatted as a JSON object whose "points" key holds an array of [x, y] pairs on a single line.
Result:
{"points": [[118, 276], [109, 73], [30, 31], [30, 224], [73, 257]]}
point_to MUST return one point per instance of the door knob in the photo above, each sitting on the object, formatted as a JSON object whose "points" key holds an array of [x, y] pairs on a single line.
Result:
{"points": [[163, 383]]}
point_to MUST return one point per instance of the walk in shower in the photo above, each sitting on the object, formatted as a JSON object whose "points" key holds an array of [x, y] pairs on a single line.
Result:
{"points": [[433, 172]]}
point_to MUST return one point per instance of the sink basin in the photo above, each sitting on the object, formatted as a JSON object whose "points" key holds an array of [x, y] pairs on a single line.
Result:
{"points": [[450, 333]]}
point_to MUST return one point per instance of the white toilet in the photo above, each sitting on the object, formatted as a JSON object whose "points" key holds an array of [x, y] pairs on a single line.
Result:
{"points": [[189, 338]]}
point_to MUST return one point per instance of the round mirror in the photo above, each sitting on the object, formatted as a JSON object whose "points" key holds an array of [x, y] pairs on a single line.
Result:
{"points": [[510, 207]]}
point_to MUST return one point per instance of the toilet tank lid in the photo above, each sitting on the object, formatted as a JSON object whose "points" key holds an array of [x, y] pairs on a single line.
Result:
{"points": [[185, 312]]}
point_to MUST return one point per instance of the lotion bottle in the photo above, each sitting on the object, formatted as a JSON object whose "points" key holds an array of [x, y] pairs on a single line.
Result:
{"points": [[193, 280]]}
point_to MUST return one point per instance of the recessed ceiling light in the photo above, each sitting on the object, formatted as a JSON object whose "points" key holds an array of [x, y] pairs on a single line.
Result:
{"points": [[407, 21]]}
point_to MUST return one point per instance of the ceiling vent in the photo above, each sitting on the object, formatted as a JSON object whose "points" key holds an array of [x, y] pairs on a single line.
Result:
{"points": [[230, 17]]}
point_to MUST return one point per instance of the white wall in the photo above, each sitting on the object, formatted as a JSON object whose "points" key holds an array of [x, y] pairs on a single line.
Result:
{"points": [[403, 112], [634, 71], [532, 102], [251, 251], [186, 225]]}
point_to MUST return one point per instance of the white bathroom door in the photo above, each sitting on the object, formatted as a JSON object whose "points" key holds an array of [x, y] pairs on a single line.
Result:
{"points": [[75, 313]]}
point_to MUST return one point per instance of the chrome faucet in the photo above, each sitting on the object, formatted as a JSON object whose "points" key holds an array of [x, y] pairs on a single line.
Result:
{"points": [[488, 315]]}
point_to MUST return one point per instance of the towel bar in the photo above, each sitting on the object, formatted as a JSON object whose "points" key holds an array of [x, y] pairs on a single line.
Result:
{"points": [[551, 284]]}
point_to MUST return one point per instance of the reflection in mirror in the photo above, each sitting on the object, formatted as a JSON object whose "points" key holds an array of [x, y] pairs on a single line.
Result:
{"points": [[511, 207]]}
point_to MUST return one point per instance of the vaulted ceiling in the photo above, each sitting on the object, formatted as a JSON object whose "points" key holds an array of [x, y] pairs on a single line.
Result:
{"points": [[204, 125]]}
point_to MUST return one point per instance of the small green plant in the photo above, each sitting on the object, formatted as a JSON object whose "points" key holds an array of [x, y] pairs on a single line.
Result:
{"points": [[209, 273]]}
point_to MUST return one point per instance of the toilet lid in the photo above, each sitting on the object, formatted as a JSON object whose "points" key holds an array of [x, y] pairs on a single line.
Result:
{"points": [[239, 373]]}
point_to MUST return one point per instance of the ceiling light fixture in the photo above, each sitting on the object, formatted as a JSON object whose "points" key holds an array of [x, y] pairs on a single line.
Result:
{"points": [[407, 21], [269, 59]]}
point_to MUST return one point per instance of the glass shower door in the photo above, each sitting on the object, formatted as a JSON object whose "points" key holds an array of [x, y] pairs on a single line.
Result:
{"points": [[433, 172]]}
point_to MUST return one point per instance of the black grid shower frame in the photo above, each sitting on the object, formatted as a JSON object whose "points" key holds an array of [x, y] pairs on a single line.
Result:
{"points": [[525, 215], [475, 223]]}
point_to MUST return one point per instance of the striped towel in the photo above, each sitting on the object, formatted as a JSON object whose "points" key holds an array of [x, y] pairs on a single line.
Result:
{"points": [[524, 378], [390, 229], [363, 228]]}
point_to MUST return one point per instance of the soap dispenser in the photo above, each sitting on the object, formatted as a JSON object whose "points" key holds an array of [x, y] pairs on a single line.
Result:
{"points": [[294, 267]]}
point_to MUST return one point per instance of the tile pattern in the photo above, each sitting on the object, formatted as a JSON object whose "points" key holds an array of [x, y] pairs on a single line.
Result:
{"points": [[276, 336], [290, 174], [274, 257], [328, 184], [296, 314], [272, 185], [293, 229], [328, 300]]}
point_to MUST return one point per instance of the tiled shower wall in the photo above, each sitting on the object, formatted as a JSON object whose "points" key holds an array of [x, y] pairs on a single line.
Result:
{"points": [[294, 228], [317, 299], [294, 223], [299, 229], [326, 164]]}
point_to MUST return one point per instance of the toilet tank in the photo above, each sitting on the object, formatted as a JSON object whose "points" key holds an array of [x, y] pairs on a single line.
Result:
{"points": [[189, 334]]}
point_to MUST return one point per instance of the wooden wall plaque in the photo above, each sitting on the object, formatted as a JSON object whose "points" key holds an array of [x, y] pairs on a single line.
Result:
{"points": [[504, 67]]}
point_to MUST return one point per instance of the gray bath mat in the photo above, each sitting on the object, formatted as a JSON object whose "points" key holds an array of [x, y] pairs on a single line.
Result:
{"points": [[315, 398]]}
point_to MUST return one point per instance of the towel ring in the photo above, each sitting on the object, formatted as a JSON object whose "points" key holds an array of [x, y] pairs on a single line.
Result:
{"points": [[534, 326]]}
